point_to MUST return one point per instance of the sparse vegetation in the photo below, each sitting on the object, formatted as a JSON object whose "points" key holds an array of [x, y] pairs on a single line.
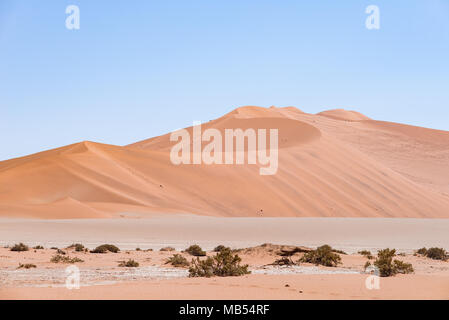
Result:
{"points": [[59, 251], [389, 267], [367, 264], [322, 256], [284, 261], [77, 246], [38, 247], [138, 249], [367, 254], [219, 248], [57, 258], [223, 264], [422, 251], [339, 251], [167, 249], [178, 260], [196, 251], [20, 247], [104, 248], [434, 253], [26, 266], [129, 264]]}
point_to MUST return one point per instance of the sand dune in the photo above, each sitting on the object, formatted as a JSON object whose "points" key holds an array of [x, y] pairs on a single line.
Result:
{"points": [[327, 168]]}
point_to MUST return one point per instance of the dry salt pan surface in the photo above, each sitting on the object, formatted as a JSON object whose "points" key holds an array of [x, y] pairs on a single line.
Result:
{"points": [[89, 276], [288, 270], [95, 276]]}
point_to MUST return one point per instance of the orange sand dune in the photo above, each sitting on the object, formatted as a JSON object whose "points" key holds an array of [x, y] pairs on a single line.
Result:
{"points": [[327, 168]]}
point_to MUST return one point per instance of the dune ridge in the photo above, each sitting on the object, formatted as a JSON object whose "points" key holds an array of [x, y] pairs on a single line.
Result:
{"points": [[327, 168]]}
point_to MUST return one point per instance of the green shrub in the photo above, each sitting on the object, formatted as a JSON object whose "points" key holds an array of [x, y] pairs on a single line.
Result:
{"points": [[26, 266], [104, 248], [196, 251], [437, 254], [167, 249], [130, 264], [322, 256], [177, 260], [223, 264], [38, 247], [387, 267], [20, 247], [64, 259]]}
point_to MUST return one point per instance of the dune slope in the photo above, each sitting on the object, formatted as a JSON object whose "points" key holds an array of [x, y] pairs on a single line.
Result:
{"points": [[328, 167]]}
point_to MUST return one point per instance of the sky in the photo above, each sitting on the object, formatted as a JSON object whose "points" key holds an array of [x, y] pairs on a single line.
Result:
{"points": [[138, 69]]}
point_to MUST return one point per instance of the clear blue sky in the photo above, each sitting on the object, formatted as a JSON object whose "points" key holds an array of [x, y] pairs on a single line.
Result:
{"points": [[137, 69]]}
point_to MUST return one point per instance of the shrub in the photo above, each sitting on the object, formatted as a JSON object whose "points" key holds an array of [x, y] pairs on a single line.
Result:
{"points": [[223, 264], [38, 247], [129, 264], [402, 267], [167, 249], [54, 248], [219, 248], [338, 251], [322, 256], [367, 264], [59, 251], [364, 252], [422, 251], [138, 249], [387, 267], [104, 248], [64, 259], [196, 251], [20, 247], [177, 261], [284, 261], [26, 266], [436, 254], [77, 246]]}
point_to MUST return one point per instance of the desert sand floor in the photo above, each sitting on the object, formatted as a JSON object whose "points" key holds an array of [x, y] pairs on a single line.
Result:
{"points": [[348, 234], [339, 287], [102, 278]]}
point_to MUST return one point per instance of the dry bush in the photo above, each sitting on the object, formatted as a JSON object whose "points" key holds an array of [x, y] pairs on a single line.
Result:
{"points": [[323, 255], [389, 267], [177, 260], [20, 247], [104, 248], [196, 251], [26, 266], [129, 264], [223, 264], [57, 258]]}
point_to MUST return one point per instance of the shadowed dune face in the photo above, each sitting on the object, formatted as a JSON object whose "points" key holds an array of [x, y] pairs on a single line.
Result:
{"points": [[327, 168]]}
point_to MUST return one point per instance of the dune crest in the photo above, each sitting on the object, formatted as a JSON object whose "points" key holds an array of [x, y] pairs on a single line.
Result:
{"points": [[327, 168], [342, 114]]}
